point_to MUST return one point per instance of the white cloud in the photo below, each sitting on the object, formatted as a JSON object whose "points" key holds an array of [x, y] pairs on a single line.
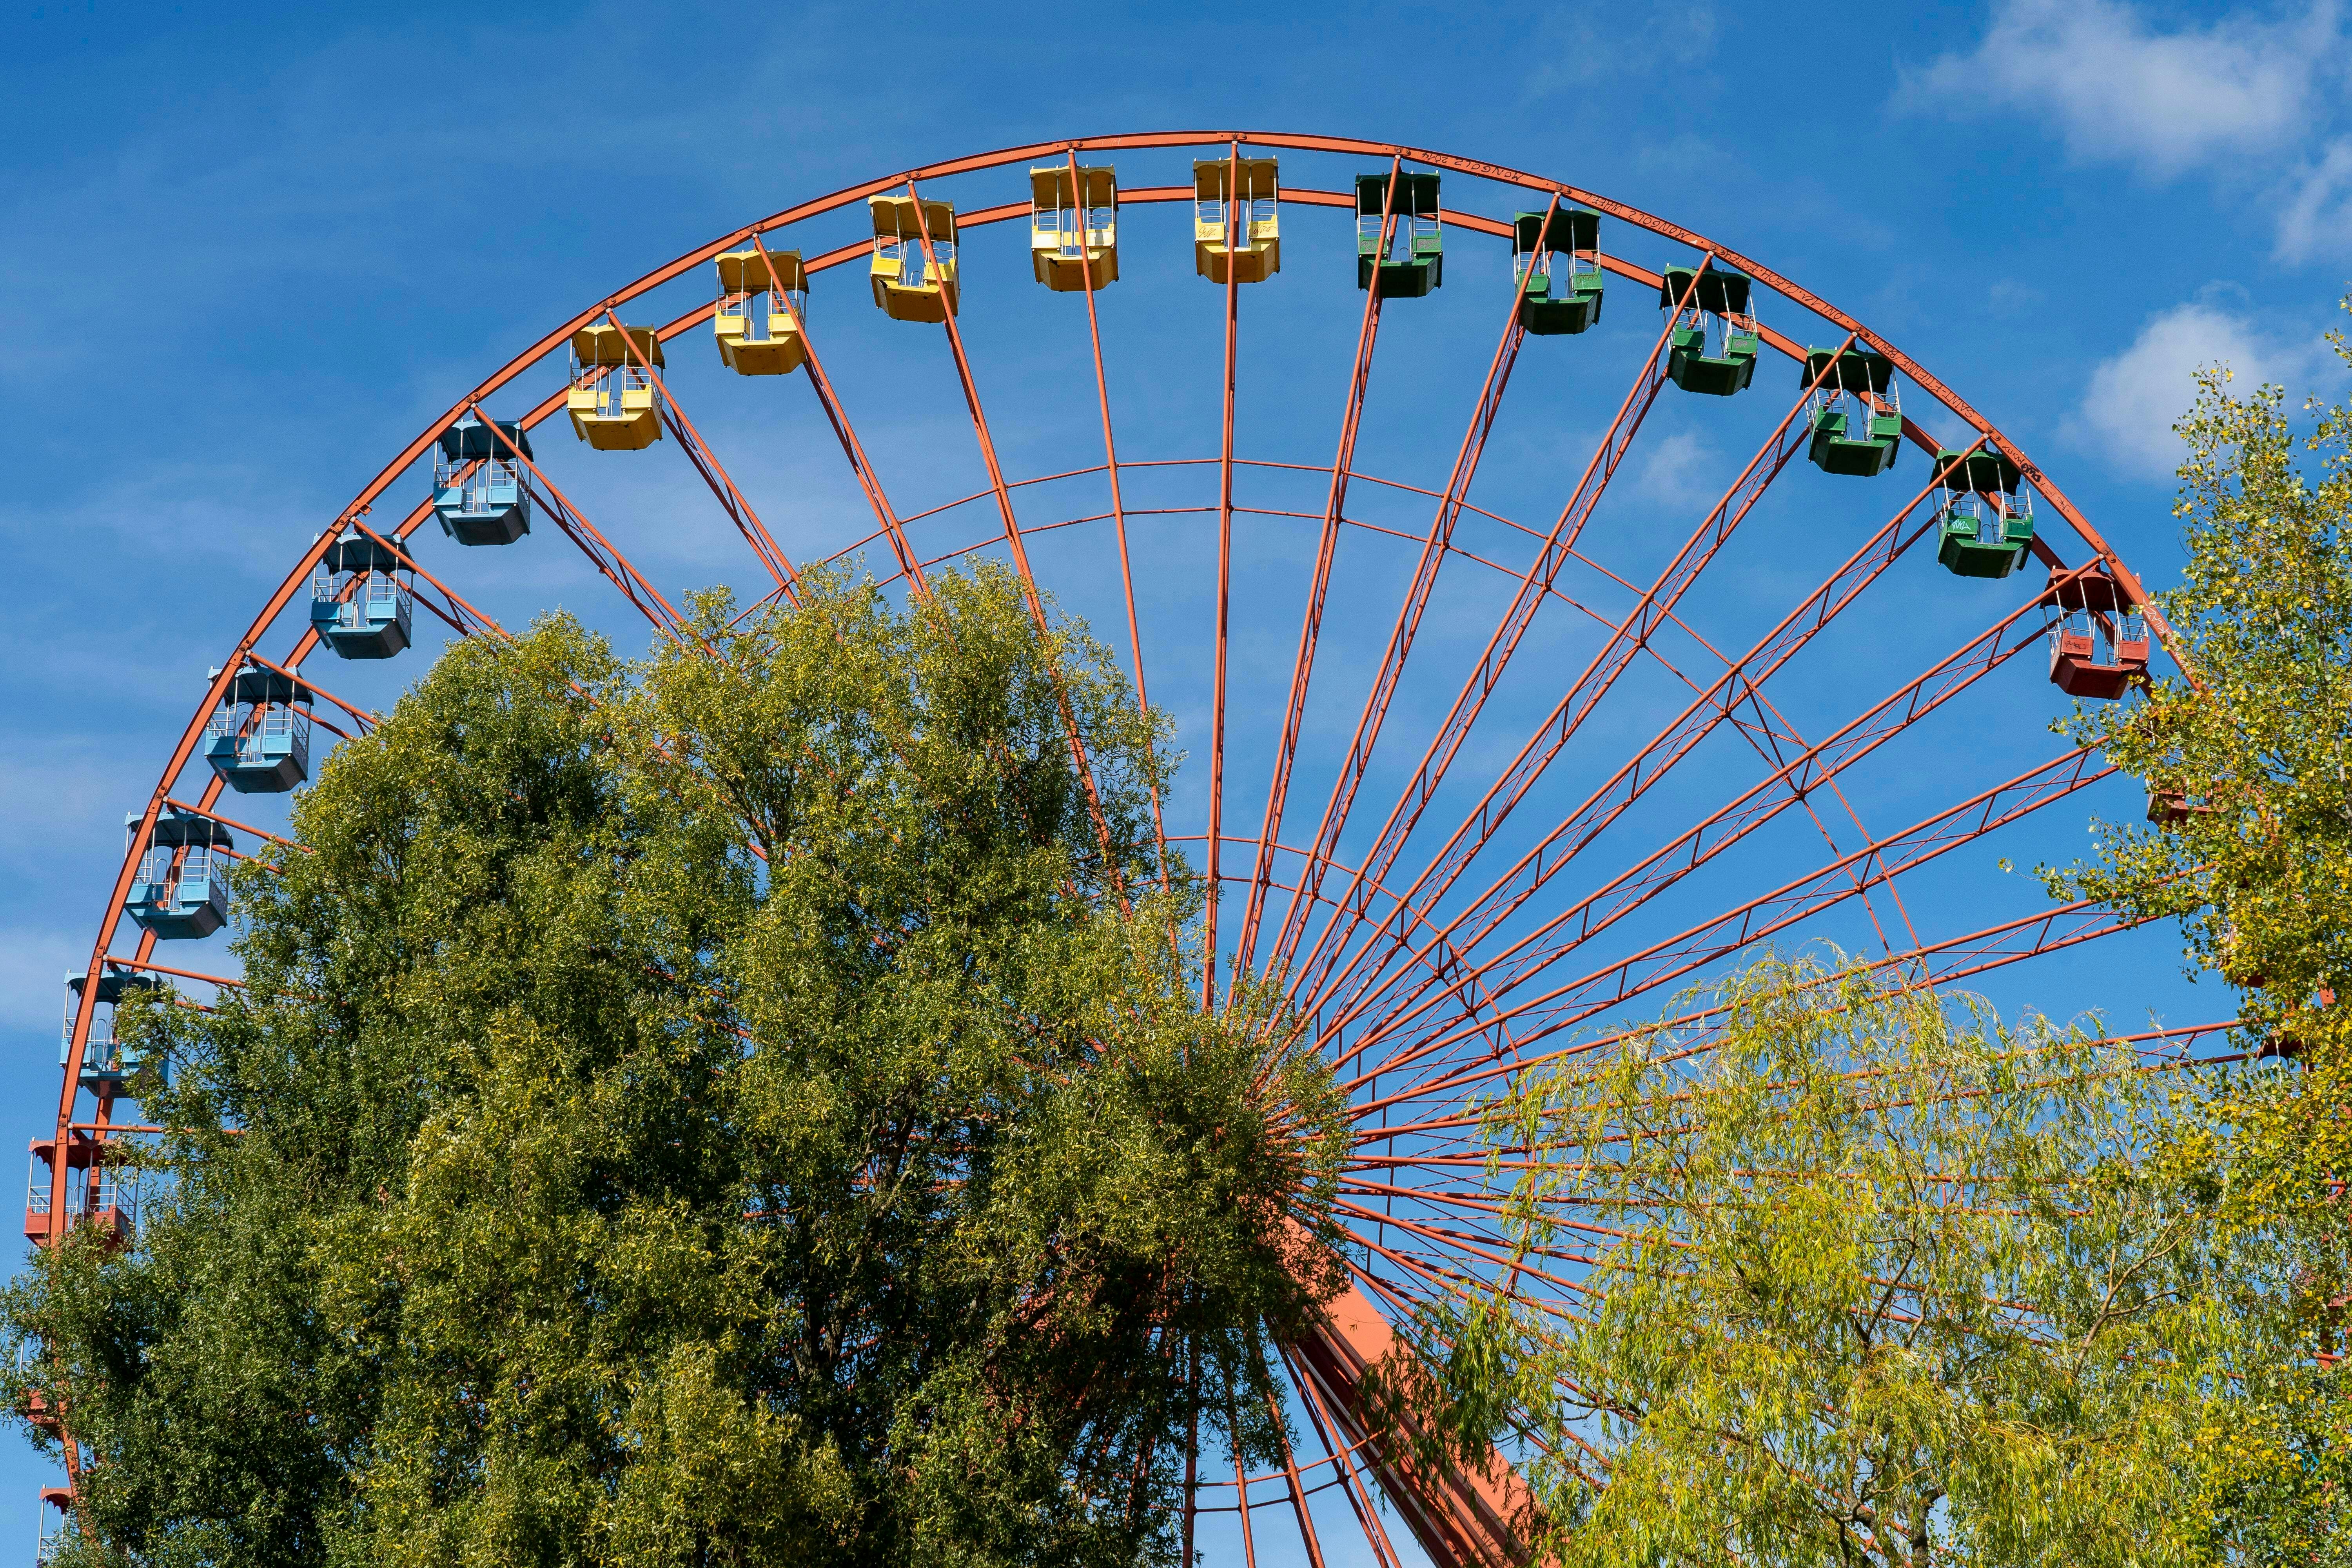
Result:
{"points": [[1631, 43], [2135, 397], [2318, 215], [2163, 101], [1680, 472]]}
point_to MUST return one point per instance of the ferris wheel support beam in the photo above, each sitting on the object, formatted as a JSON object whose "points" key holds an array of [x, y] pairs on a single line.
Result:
{"points": [[1461, 1519], [1310, 621], [714, 473], [1019, 552], [1697, 720], [1771, 913], [1585, 693], [1557, 549], [1377, 701], [1118, 523], [1214, 886], [1817, 766]]}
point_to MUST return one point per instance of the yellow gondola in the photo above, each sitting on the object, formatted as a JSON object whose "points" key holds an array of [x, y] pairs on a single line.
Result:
{"points": [[1073, 233], [612, 397], [758, 326], [1252, 200], [907, 287]]}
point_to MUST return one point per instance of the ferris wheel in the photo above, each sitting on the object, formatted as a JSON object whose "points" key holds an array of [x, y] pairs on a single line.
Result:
{"points": [[1478, 780]]}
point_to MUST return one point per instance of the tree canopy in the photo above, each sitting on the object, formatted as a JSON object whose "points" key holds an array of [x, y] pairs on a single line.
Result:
{"points": [[747, 1107], [2248, 758], [1848, 1274], [1844, 1273]]}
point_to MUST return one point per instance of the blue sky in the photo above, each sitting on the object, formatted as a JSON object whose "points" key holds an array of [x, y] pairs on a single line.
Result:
{"points": [[248, 253]]}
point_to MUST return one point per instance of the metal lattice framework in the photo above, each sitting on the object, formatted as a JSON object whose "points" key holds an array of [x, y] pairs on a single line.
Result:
{"points": [[1404, 868]]}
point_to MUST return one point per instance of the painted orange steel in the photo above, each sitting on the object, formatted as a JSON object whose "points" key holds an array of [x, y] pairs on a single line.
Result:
{"points": [[1710, 707], [706, 462], [1013, 538], [1119, 520], [1235, 227], [1456, 1518], [1590, 686], [1557, 549], [1310, 622]]}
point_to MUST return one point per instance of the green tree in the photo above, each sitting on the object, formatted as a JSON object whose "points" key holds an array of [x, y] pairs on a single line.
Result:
{"points": [[1852, 1274], [745, 1107], [1857, 1274], [2248, 760]]}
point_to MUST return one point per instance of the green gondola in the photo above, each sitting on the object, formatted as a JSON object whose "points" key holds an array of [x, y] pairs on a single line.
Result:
{"points": [[1718, 294], [1553, 302], [1414, 262], [1853, 389]]}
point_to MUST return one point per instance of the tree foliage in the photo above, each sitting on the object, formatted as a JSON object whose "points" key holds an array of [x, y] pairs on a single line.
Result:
{"points": [[1854, 1275], [739, 1108], [2251, 750], [2253, 745]]}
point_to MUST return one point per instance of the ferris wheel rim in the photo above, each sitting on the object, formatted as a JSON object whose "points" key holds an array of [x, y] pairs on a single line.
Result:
{"points": [[355, 513]]}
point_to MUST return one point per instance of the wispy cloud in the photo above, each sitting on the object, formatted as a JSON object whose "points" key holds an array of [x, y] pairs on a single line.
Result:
{"points": [[2135, 397], [1680, 471], [2255, 99], [1582, 44], [2317, 217]]}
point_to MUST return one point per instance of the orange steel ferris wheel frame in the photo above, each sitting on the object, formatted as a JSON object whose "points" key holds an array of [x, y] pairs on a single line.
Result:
{"points": [[1458, 1518]]}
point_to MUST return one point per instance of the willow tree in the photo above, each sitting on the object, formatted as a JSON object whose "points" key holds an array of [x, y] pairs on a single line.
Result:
{"points": [[744, 1108], [1848, 1274], [1844, 1274], [2248, 761]]}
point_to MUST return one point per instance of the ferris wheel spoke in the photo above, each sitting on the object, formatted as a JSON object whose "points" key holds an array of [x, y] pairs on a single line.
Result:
{"points": [[1938, 964], [1593, 684], [1741, 680], [1298, 1509], [1236, 213], [601, 553], [455, 610], [846, 433], [1804, 898], [1793, 781], [1554, 554], [1433, 551], [706, 463], [1310, 624], [1342, 1456], [1118, 521]]}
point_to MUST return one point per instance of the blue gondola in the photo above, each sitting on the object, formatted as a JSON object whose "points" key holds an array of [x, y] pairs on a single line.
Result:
{"points": [[478, 489], [360, 598], [108, 1064], [182, 888], [259, 741]]}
